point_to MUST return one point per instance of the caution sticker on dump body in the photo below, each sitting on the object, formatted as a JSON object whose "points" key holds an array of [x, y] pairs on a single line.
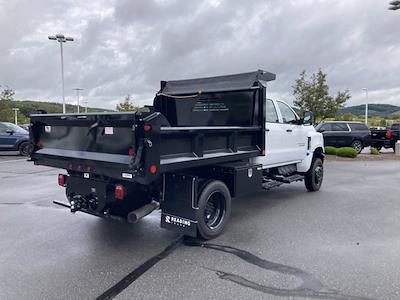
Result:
{"points": [[108, 130]]}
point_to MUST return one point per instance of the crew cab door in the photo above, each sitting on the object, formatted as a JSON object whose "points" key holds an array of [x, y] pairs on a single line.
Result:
{"points": [[274, 133], [296, 134]]}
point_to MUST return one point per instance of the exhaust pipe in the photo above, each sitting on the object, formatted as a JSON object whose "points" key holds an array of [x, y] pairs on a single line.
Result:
{"points": [[136, 215]]}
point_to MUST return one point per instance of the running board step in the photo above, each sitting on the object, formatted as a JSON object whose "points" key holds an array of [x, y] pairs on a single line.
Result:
{"points": [[271, 184], [289, 179]]}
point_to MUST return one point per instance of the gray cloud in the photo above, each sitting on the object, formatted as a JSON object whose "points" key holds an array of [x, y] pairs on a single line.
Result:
{"points": [[127, 46]]}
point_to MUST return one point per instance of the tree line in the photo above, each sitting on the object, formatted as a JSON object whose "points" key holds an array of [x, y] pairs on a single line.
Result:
{"points": [[311, 93]]}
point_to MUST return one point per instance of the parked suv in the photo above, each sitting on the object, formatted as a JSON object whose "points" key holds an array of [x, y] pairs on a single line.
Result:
{"points": [[14, 138], [345, 134]]}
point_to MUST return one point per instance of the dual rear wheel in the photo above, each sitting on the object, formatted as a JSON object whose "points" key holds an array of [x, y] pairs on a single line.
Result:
{"points": [[214, 202], [214, 209]]}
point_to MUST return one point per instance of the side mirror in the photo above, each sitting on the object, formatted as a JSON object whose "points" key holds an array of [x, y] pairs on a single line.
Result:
{"points": [[10, 131], [307, 119], [321, 130]]}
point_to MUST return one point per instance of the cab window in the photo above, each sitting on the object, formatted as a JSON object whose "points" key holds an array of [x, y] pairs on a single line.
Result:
{"points": [[271, 115], [288, 116]]}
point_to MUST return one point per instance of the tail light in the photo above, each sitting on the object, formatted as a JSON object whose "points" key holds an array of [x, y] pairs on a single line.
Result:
{"points": [[153, 169], [119, 192], [147, 127], [61, 180], [39, 145], [388, 134], [131, 152]]}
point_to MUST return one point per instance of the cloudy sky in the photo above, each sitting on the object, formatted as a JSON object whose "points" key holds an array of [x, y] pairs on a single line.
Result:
{"points": [[126, 46]]}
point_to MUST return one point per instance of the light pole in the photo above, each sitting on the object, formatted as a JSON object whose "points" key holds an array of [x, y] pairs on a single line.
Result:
{"points": [[16, 115], [86, 103], [61, 39], [366, 106], [77, 95]]}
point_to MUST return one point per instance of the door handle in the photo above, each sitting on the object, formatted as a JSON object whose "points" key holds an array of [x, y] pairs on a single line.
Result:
{"points": [[266, 129], [289, 130]]}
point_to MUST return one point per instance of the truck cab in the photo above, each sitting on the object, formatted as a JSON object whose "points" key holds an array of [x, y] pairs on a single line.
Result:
{"points": [[287, 136]]}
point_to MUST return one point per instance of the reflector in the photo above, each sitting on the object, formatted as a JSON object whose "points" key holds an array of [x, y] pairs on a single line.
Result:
{"points": [[61, 180], [119, 192]]}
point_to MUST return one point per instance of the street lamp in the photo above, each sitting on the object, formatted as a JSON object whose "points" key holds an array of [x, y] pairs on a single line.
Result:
{"points": [[61, 39], [77, 95], [366, 106], [86, 103], [15, 115]]}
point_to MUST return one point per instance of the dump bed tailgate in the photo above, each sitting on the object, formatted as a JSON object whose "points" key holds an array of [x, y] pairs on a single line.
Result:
{"points": [[102, 142]]}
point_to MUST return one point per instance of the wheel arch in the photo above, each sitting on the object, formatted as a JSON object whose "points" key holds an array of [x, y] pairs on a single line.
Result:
{"points": [[19, 143], [319, 153]]}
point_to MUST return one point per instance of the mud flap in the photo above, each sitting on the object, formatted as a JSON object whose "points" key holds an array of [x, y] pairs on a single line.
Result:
{"points": [[179, 204]]}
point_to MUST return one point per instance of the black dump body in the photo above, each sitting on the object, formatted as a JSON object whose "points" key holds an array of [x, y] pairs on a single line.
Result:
{"points": [[193, 123]]}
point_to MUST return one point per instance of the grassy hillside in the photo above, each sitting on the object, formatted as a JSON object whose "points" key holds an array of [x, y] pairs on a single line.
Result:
{"points": [[381, 110], [29, 107]]}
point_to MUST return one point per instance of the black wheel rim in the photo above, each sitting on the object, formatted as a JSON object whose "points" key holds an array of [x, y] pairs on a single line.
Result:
{"points": [[357, 146], [214, 210], [318, 175]]}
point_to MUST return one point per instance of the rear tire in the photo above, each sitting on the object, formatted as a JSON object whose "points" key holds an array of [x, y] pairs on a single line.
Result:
{"points": [[314, 176], [357, 145], [25, 148], [214, 209]]}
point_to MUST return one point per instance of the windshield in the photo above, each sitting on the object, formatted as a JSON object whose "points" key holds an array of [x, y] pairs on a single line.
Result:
{"points": [[15, 128]]}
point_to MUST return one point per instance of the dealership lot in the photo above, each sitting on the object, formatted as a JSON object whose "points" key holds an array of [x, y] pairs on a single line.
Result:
{"points": [[340, 243]]}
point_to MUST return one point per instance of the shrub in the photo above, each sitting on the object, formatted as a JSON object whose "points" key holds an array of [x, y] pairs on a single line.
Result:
{"points": [[330, 150], [346, 152], [374, 151]]}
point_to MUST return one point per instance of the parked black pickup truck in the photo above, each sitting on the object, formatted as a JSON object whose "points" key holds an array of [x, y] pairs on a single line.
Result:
{"points": [[385, 138]]}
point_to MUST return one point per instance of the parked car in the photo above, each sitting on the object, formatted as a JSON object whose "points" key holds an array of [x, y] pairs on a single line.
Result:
{"points": [[385, 138], [24, 126], [14, 138], [345, 134]]}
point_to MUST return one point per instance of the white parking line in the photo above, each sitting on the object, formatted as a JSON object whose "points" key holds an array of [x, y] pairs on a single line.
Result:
{"points": [[6, 161]]}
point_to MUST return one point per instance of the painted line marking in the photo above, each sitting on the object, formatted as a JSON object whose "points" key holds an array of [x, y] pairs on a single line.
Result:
{"points": [[14, 160]]}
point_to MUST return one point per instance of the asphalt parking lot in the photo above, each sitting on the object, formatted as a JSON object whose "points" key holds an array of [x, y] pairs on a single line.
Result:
{"points": [[340, 243]]}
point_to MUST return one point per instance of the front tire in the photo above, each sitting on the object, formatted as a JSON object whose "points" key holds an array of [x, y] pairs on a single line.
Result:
{"points": [[214, 209], [315, 175]]}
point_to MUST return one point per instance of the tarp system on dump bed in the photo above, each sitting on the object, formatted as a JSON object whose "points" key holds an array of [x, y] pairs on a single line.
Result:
{"points": [[231, 100], [235, 82]]}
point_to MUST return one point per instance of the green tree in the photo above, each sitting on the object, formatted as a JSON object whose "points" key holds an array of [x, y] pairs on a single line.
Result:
{"points": [[313, 95], [7, 94], [126, 105], [6, 112]]}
